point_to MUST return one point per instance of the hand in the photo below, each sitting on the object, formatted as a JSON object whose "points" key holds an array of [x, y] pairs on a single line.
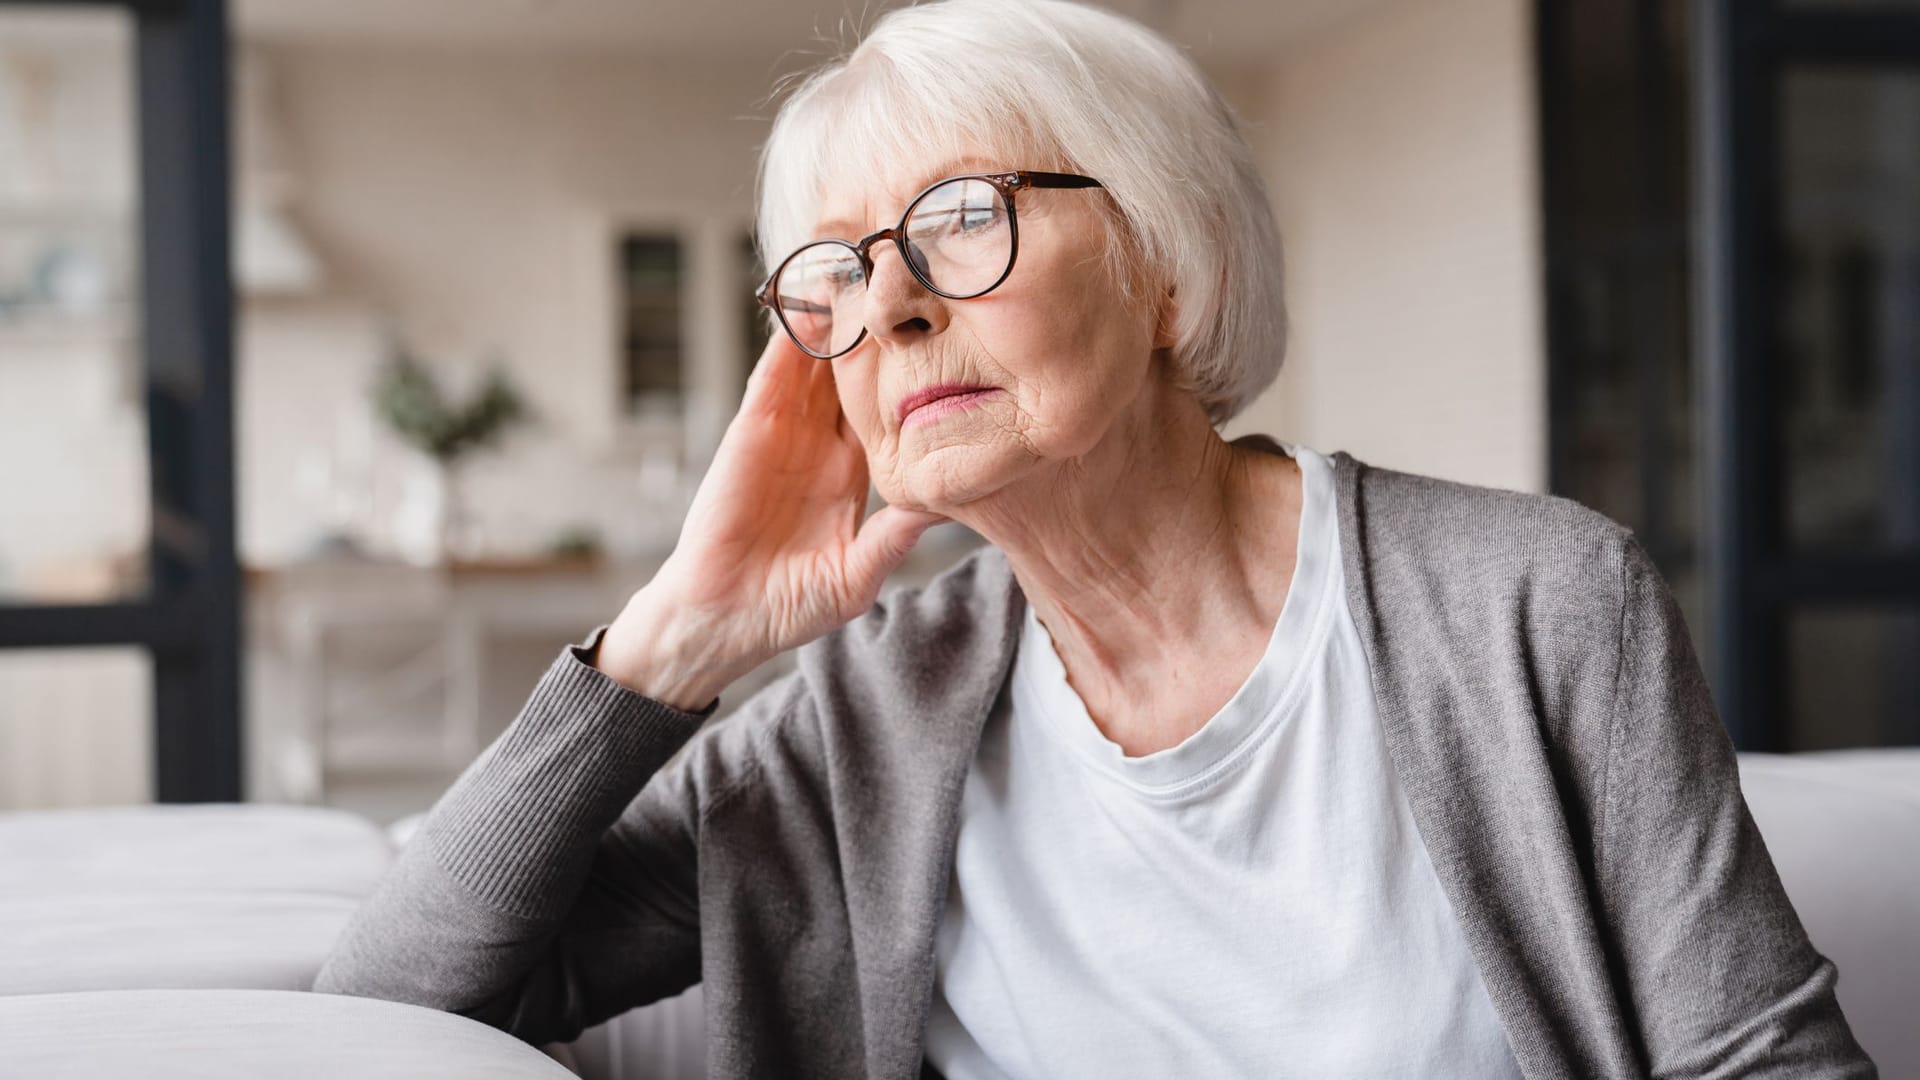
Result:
{"points": [[773, 552]]}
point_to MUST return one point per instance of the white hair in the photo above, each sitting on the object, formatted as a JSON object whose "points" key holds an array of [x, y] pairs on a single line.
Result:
{"points": [[1056, 85]]}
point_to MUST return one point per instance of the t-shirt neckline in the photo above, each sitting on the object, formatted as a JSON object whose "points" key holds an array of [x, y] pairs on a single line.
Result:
{"points": [[1257, 708]]}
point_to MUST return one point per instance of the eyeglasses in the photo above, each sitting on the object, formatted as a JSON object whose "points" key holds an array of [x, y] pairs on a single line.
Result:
{"points": [[958, 238]]}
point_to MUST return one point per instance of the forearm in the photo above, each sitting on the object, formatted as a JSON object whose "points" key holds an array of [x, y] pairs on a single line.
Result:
{"points": [[466, 920]]}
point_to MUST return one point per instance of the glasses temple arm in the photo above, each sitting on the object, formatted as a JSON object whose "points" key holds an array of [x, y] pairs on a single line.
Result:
{"points": [[1057, 180]]}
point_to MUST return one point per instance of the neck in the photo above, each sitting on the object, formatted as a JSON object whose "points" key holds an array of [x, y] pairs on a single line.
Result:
{"points": [[1144, 554]]}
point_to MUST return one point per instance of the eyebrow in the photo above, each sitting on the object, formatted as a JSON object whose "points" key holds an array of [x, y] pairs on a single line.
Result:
{"points": [[960, 166]]}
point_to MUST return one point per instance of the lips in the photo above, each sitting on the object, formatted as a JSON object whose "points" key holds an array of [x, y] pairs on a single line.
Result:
{"points": [[929, 394]]}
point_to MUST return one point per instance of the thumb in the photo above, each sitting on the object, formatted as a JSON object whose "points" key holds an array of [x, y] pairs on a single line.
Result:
{"points": [[884, 541]]}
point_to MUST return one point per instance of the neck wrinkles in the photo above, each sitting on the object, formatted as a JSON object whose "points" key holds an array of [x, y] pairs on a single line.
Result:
{"points": [[1163, 537]]}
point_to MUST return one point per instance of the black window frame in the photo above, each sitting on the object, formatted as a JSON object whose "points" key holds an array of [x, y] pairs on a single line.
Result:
{"points": [[1757, 580], [1753, 581], [190, 619]]}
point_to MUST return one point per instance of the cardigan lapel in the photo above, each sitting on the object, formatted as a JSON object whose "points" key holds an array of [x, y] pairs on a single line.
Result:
{"points": [[1440, 729], [934, 674]]}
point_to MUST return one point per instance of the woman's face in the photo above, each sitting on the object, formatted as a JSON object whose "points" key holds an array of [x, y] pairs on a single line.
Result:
{"points": [[1055, 350]]}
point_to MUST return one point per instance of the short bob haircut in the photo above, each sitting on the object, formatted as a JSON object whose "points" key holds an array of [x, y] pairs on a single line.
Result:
{"points": [[1051, 84]]}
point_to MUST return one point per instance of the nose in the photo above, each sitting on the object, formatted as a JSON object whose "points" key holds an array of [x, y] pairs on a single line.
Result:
{"points": [[900, 310]]}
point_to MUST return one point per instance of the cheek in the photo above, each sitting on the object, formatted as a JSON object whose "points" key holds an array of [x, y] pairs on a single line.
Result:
{"points": [[1076, 355]]}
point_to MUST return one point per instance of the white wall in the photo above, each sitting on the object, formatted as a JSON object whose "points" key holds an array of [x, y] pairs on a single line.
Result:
{"points": [[1400, 146], [468, 201]]}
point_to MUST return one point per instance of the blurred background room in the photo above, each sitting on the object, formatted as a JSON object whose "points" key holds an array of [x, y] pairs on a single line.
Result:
{"points": [[491, 308], [355, 356], [492, 264]]}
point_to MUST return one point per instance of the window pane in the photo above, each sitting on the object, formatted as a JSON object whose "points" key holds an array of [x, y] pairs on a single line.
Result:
{"points": [[1852, 678], [1617, 199], [653, 279], [73, 439], [75, 727], [1848, 330]]}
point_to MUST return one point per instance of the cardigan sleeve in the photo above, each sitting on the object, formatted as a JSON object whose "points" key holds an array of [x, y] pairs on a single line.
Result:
{"points": [[1721, 976], [553, 885]]}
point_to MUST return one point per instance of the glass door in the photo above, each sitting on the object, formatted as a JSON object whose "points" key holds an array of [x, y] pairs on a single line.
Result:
{"points": [[119, 587], [1810, 298]]}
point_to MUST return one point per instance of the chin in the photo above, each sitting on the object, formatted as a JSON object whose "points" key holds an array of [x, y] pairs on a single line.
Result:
{"points": [[947, 477]]}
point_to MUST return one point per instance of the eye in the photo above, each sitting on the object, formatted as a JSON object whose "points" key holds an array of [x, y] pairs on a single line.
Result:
{"points": [[958, 221], [844, 275], [974, 218]]}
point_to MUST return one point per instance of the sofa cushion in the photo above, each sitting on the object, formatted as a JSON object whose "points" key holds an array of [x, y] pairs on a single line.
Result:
{"points": [[1843, 829], [221, 1034], [179, 896], [139, 940], [666, 1040], [202, 848]]}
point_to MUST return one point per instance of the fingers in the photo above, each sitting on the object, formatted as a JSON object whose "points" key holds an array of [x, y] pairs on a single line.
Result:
{"points": [[883, 543], [782, 372], [789, 382]]}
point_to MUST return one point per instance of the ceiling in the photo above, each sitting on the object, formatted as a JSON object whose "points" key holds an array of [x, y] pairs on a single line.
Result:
{"points": [[1226, 31]]}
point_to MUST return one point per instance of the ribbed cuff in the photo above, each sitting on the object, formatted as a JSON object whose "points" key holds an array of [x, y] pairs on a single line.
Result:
{"points": [[519, 827]]}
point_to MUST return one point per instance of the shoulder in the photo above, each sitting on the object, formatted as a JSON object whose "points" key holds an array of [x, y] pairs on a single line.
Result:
{"points": [[1402, 507], [1507, 613], [1476, 545], [1520, 595]]}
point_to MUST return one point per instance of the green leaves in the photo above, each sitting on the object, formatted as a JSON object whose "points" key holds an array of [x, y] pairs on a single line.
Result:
{"points": [[410, 400]]}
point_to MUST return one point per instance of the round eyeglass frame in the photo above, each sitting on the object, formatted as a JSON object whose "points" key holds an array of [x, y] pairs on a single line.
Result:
{"points": [[1006, 183]]}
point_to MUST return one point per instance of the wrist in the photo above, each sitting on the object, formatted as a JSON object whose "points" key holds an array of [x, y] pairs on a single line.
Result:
{"points": [[655, 649]]}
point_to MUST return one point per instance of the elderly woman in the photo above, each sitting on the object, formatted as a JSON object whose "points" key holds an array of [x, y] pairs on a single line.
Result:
{"points": [[1219, 759]]}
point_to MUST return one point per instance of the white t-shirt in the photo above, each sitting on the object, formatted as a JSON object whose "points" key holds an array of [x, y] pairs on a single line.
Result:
{"points": [[1255, 901]]}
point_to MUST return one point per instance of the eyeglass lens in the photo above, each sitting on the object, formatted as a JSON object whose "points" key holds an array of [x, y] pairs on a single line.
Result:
{"points": [[959, 236]]}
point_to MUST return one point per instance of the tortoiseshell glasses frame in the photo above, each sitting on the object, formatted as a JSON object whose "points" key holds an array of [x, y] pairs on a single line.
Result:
{"points": [[1004, 183]]}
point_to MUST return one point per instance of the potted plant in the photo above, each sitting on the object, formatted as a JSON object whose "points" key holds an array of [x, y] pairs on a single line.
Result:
{"points": [[408, 398]]}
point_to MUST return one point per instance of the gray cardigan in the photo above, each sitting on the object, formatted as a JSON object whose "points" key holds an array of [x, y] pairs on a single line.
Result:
{"points": [[1541, 703]]}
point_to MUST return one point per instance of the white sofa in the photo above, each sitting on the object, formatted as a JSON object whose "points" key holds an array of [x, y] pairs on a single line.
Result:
{"points": [[174, 941], [1844, 830]]}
